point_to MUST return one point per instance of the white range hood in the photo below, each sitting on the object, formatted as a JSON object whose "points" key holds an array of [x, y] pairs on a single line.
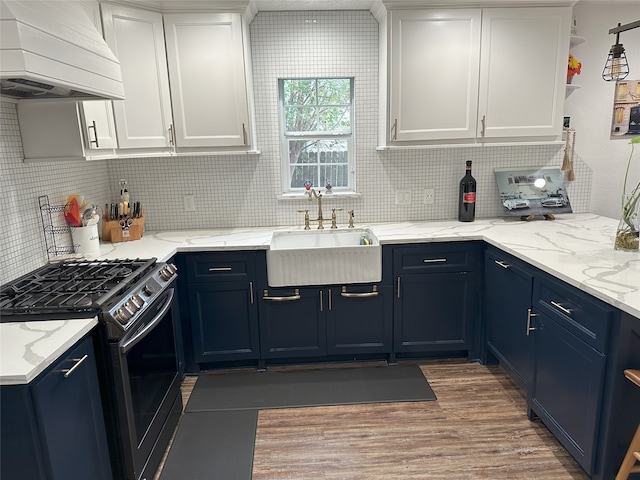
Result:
{"points": [[51, 49]]}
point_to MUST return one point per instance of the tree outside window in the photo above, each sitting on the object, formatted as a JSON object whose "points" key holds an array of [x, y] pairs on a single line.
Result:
{"points": [[317, 132]]}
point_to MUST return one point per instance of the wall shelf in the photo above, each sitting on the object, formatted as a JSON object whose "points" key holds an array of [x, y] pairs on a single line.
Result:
{"points": [[570, 89]]}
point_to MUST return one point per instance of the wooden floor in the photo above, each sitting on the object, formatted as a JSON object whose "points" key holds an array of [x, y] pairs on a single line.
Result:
{"points": [[477, 429]]}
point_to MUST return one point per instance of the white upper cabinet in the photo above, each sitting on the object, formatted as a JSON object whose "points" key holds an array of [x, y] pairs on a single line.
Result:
{"points": [[476, 75], [67, 130], [434, 74], [523, 71], [207, 77], [143, 119], [97, 115]]}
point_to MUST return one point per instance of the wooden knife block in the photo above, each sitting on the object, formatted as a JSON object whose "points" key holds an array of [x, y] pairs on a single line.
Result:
{"points": [[113, 232]]}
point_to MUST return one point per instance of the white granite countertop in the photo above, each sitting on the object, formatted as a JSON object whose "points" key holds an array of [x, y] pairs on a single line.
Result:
{"points": [[28, 348], [576, 248]]}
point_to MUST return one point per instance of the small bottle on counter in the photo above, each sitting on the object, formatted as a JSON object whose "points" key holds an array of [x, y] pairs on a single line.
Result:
{"points": [[467, 197]]}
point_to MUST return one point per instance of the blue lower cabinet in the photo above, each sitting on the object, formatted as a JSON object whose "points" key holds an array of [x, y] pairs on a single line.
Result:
{"points": [[571, 334], [434, 312], [219, 308], [567, 388], [507, 314], [53, 428], [437, 298], [360, 319], [224, 321], [292, 322]]}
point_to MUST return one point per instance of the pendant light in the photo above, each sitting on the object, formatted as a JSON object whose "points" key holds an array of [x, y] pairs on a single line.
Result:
{"points": [[616, 67]]}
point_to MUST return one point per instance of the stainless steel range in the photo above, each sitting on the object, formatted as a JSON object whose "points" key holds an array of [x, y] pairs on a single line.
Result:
{"points": [[135, 345]]}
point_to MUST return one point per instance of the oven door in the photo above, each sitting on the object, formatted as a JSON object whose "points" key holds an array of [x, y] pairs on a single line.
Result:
{"points": [[148, 387]]}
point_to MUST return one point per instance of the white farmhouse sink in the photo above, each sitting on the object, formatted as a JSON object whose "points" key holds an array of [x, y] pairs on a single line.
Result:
{"points": [[323, 257]]}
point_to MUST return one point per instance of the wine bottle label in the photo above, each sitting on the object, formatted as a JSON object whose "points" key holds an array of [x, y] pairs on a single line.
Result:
{"points": [[469, 197]]}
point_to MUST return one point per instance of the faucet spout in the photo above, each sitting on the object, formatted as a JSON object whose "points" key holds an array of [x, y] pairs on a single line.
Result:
{"points": [[313, 193]]}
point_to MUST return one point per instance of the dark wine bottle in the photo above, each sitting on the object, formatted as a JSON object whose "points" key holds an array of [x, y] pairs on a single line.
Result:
{"points": [[467, 198]]}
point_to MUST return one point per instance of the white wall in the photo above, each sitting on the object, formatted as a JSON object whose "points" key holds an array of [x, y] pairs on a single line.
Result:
{"points": [[591, 106]]}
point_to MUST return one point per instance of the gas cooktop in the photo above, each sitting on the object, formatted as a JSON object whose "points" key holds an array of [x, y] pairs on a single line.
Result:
{"points": [[69, 289]]}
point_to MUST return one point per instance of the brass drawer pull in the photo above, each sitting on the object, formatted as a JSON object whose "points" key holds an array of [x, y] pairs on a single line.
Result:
{"points": [[295, 296], [78, 361], [434, 260], [502, 264], [566, 311], [220, 269], [373, 293]]}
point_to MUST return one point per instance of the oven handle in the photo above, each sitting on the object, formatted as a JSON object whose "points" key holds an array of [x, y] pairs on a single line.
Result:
{"points": [[129, 344]]}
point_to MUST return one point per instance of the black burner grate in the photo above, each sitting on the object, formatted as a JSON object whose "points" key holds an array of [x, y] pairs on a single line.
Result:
{"points": [[70, 287]]}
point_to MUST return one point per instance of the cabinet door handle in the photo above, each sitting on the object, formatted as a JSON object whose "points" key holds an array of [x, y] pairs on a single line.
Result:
{"points": [[251, 292], [394, 130], [483, 122], [244, 135], [295, 296], [566, 311], [78, 361], [434, 260], [321, 302], [95, 134], [502, 264], [373, 293], [398, 287], [530, 314], [330, 300], [220, 269], [172, 136]]}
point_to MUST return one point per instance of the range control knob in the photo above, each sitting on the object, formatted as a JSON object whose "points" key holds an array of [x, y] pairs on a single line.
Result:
{"points": [[132, 306], [123, 315], [167, 272], [150, 288], [138, 300]]}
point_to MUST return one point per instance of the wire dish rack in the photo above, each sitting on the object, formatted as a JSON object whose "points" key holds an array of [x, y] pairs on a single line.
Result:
{"points": [[57, 233]]}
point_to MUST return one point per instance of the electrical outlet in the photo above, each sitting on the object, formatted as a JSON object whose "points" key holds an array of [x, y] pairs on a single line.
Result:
{"points": [[403, 197], [429, 194], [189, 203]]}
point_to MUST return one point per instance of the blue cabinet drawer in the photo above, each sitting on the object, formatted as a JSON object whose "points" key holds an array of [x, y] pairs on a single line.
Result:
{"points": [[220, 266], [580, 313], [436, 257]]}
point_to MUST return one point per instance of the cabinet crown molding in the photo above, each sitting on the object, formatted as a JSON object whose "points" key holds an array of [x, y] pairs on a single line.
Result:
{"points": [[398, 4]]}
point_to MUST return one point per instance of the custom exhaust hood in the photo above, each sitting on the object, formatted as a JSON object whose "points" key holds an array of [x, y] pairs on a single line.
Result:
{"points": [[51, 49]]}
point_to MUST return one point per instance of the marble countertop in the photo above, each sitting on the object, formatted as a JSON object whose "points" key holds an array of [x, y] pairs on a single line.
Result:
{"points": [[576, 248], [28, 348]]}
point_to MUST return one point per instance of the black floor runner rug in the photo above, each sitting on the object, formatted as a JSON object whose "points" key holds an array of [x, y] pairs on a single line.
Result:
{"points": [[309, 388], [216, 435]]}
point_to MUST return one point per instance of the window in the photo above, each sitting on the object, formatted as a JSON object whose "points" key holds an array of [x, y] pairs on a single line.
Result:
{"points": [[317, 133]]}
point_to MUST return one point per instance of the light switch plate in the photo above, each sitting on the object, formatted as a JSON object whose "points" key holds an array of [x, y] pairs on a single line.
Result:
{"points": [[403, 197], [189, 203]]}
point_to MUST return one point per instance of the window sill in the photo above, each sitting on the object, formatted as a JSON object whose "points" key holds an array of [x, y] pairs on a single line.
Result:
{"points": [[285, 197]]}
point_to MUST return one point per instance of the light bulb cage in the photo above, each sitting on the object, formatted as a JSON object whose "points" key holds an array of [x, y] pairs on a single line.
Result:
{"points": [[616, 67]]}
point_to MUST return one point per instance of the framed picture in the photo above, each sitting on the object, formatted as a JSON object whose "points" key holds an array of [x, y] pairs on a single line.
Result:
{"points": [[526, 191], [626, 109]]}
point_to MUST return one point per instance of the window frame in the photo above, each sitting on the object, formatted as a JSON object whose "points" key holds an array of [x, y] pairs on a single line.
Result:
{"points": [[285, 137]]}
